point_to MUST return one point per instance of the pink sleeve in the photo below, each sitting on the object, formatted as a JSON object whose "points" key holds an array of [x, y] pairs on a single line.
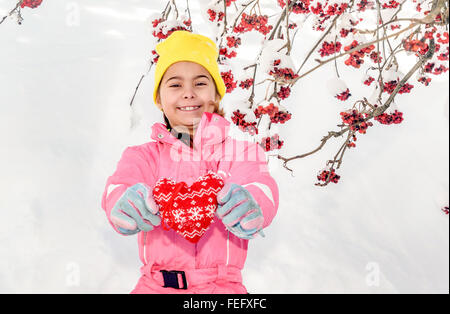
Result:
{"points": [[138, 164], [247, 166]]}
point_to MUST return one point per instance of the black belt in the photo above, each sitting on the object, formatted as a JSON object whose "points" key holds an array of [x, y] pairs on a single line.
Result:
{"points": [[171, 279]]}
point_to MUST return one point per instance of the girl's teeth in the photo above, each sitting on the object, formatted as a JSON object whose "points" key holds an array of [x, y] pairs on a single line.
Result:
{"points": [[189, 108]]}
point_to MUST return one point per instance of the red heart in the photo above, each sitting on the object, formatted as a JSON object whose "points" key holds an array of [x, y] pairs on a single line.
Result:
{"points": [[189, 210]]}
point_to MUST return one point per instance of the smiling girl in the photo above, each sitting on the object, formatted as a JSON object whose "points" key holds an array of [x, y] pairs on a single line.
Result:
{"points": [[191, 143]]}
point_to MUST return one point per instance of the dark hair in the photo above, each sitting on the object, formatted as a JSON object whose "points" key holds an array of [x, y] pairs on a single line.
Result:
{"points": [[167, 122]]}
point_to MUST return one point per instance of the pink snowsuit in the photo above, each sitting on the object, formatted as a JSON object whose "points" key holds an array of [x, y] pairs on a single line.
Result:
{"points": [[214, 263]]}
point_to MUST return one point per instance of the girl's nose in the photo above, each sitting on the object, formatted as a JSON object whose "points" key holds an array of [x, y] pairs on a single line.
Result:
{"points": [[188, 92]]}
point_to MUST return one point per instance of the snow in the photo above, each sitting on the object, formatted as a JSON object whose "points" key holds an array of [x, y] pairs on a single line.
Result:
{"points": [[68, 75]]}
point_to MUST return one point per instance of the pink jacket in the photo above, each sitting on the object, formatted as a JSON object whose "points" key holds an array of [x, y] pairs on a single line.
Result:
{"points": [[213, 265]]}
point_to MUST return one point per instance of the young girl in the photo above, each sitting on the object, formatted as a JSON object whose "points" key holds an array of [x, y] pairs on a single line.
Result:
{"points": [[193, 141]]}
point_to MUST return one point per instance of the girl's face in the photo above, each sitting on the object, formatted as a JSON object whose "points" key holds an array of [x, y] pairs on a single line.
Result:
{"points": [[186, 84]]}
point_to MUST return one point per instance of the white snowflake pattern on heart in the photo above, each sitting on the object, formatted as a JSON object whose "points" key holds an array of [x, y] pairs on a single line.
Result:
{"points": [[195, 213]]}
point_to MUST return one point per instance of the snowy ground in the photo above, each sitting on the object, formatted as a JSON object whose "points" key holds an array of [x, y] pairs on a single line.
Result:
{"points": [[67, 77]]}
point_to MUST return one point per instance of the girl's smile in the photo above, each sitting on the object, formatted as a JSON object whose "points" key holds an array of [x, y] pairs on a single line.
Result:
{"points": [[189, 108]]}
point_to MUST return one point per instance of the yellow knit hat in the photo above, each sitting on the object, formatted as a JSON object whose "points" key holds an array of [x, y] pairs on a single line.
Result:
{"points": [[187, 46]]}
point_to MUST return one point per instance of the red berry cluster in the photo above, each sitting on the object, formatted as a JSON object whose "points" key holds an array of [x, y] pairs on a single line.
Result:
{"points": [[228, 2], [444, 56], [271, 143], [395, 26], [214, 16], [336, 9], [155, 56], [159, 32], [227, 53], [330, 48], [246, 84], [325, 173], [344, 95], [389, 87], [376, 57], [356, 58], [275, 115], [233, 42], [188, 23], [424, 80], [430, 67], [253, 22], [285, 74], [299, 7], [329, 9], [385, 118], [284, 92], [351, 142], [238, 119], [355, 120], [156, 22], [416, 46], [443, 40], [344, 32], [392, 4], [228, 79], [30, 3], [369, 81], [364, 5]]}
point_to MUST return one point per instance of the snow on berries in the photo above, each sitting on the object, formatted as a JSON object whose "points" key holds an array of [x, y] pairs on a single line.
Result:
{"points": [[338, 89], [285, 75], [163, 28]]}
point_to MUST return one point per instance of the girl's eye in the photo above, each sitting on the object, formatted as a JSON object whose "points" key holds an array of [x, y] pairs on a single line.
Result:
{"points": [[201, 83], [174, 85]]}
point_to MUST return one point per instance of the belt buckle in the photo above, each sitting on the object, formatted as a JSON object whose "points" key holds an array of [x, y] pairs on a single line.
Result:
{"points": [[171, 279]]}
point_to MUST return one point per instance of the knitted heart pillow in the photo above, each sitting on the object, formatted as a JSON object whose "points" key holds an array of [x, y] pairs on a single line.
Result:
{"points": [[189, 210]]}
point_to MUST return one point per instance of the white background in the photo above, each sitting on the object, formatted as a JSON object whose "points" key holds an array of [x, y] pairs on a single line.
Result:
{"points": [[67, 76]]}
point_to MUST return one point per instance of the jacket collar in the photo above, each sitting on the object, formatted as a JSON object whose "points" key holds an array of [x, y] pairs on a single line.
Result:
{"points": [[212, 129]]}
